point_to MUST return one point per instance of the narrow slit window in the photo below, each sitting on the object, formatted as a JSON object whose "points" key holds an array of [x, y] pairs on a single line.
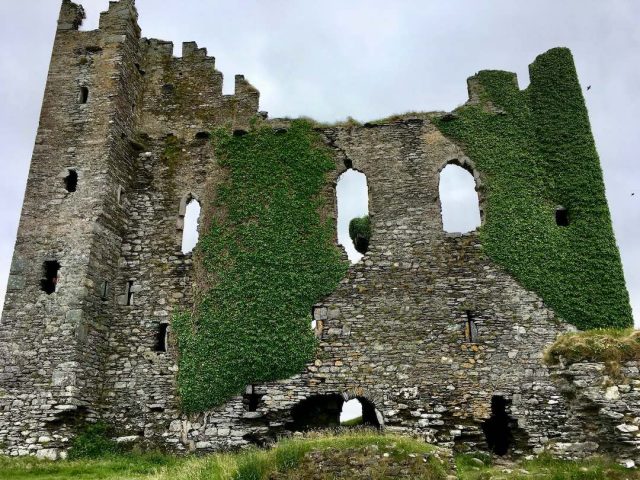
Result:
{"points": [[471, 328], [104, 290], [84, 94], [190, 228], [71, 181], [51, 276], [562, 217], [130, 293], [162, 337], [120, 195]]}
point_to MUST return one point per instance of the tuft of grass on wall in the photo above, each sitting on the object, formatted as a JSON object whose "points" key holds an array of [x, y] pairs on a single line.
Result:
{"points": [[603, 345], [268, 255], [535, 152]]}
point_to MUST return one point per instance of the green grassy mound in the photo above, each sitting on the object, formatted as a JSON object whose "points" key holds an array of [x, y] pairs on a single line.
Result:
{"points": [[603, 345], [359, 454], [480, 467], [365, 452]]}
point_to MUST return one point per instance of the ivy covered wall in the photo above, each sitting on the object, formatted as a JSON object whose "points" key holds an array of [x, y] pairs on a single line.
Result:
{"points": [[535, 151], [268, 256]]}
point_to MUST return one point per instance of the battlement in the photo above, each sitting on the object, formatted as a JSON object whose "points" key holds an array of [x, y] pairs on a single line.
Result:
{"points": [[71, 16]]}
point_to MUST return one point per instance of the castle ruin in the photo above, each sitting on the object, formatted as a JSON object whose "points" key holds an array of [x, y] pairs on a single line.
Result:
{"points": [[428, 331]]}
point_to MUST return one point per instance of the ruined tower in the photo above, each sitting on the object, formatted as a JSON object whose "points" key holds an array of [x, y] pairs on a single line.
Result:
{"points": [[433, 332]]}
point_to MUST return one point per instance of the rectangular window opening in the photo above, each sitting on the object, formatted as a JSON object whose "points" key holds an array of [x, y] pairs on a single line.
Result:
{"points": [[50, 281], [71, 181], [562, 217], [130, 293], [251, 400], [84, 94], [471, 328], [162, 337]]}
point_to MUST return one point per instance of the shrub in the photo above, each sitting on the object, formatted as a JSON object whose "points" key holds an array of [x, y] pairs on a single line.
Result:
{"points": [[360, 233], [94, 442]]}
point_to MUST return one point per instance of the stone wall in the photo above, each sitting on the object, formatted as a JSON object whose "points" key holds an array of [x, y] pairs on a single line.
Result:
{"points": [[392, 334], [604, 410]]}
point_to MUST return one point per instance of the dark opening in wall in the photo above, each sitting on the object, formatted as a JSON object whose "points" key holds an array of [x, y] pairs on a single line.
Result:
{"points": [[562, 217], [498, 428], [120, 196], [203, 135], [318, 411], [71, 181], [49, 282], [84, 94], [353, 203], [104, 290], [251, 400], [129, 293], [162, 337], [329, 411], [459, 200], [471, 328]]}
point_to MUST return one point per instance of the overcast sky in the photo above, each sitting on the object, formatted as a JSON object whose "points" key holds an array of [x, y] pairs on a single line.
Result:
{"points": [[367, 59]]}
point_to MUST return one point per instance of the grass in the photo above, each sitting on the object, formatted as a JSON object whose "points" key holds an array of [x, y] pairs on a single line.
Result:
{"points": [[352, 423], [601, 345], [295, 459], [253, 464], [122, 467], [479, 467]]}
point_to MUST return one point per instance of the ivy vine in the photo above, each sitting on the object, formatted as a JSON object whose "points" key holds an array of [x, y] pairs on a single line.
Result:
{"points": [[536, 151], [269, 255]]}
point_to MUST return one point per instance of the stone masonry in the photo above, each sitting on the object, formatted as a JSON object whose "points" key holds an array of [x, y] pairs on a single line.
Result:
{"points": [[394, 334]]}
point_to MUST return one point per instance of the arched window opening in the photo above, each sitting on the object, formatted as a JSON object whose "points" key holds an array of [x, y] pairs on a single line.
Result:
{"points": [[353, 203], [71, 181], [498, 428], [84, 94], [162, 337], [459, 200], [120, 195], [51, 269], [330, 411], [351, 414], [190, 228], [562, 217]]}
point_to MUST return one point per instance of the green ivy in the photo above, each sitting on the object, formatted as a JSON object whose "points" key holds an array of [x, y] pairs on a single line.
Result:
{"points": [[536, 152], [268, 255]]}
